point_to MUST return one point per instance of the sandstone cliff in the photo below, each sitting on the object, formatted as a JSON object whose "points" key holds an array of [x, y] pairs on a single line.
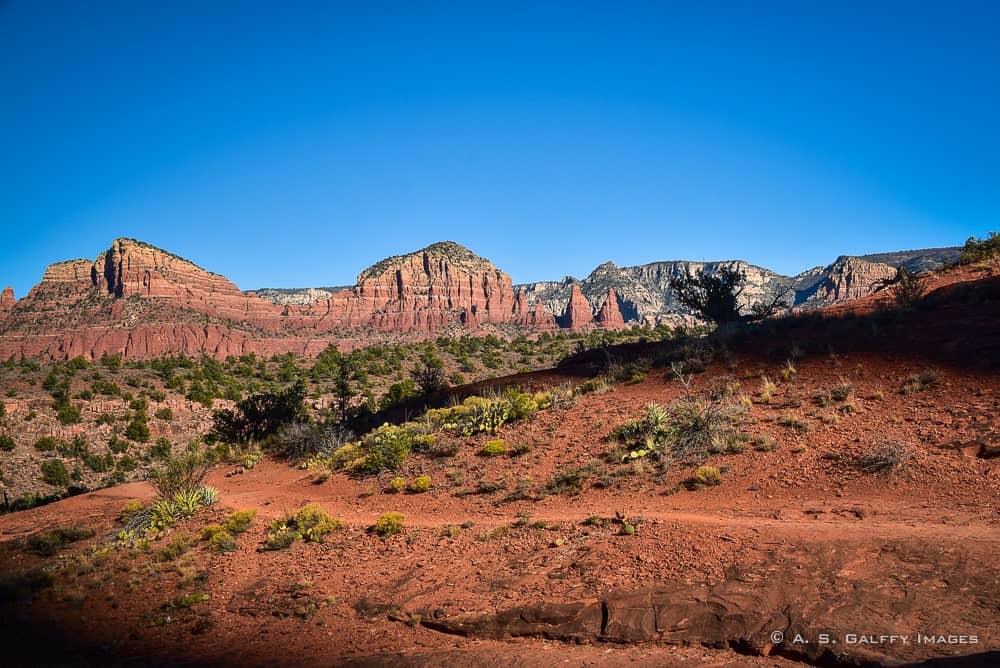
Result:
{"points": [[140, 301], [578, 311], [610, 316], [645, 297], [7, 300]]}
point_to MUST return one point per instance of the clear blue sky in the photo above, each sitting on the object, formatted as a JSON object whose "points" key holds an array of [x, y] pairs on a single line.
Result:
{"points": [[295, 145]]}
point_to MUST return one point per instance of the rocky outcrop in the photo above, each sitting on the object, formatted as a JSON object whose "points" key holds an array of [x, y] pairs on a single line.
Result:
{"points": [[7, 300], [645, 296], [578, 313], [532, 317], [140, 301], [610, 316], [847, 278]]}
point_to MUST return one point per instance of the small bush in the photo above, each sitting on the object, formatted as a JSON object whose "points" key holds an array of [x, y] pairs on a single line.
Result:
{"points": [[177, 546], [567, 482], [48, 543], [841, 392], [389, 524], [495, 448], [223, 542], [54, 473], [793, 422], [767, 389], [420, 484], [310, 523], [161, 449], [919, 382], [164, 414], [46, 444], [6, 443], [68, 414], [885, 457], [708, 476], [702, 427], [240, 520], [280, 537], [138, 430], [397, 484]]}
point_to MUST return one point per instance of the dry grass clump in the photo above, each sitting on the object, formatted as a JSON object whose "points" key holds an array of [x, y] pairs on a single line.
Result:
{"points": [[885, 457], [919, 382]]}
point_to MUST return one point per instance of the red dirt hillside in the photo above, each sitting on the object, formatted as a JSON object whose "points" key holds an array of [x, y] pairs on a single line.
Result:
{"points": [[846, 516]]}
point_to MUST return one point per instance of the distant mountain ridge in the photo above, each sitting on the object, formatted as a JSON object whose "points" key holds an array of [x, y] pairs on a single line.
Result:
{"points": [[140, 301]]}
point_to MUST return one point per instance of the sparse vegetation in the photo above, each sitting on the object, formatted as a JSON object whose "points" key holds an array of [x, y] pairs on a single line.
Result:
{"points": [[708, 476], [981, 250], [919, 382], [495, 448], [885, 457], [310, 523], [389, 524]]}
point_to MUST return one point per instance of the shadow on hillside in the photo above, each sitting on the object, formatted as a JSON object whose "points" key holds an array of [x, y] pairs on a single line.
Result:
{"points": [[957, 325]]}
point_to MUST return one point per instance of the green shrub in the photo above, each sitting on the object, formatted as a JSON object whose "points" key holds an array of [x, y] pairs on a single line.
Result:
{"points": [[240, 520], [310, 523], [384, 449], [48, 543], [260, 415], [223, 541], [182, 473], [397, 484], [389, 524], [54, 473], [46, 443], [981, 250], [161, 449], [210, 530], [98, 463], [420, 484], [177, 546], [117, 445], [6, 443], [137, 430], [495, 448], [280, 537], [164, 414], [700, 427], [68, 414]]}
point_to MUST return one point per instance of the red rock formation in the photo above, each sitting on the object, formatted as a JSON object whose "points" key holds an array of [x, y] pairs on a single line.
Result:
{"points": [[533, 318], [578, 312], [851, 278], [140, 301], [610, 316], [7, 300]]}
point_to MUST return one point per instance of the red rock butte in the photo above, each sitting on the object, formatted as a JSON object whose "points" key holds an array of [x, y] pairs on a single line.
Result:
{"points": [[139, 301]]}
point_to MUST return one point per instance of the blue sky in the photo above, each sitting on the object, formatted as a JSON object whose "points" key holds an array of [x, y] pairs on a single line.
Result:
{"points": [[294, 145]]}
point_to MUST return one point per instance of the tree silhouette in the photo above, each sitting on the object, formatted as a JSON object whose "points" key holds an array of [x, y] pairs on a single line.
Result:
{"points": [[716, 296]]}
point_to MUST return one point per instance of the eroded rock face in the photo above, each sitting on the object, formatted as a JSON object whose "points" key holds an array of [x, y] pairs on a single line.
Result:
{"points": [[762, 609], [610, 316], [140, 301], [7, 300], [848, 278], [578, 312], [532, 317]]}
